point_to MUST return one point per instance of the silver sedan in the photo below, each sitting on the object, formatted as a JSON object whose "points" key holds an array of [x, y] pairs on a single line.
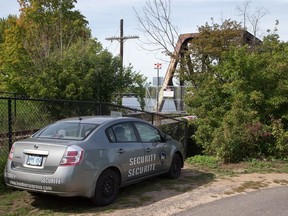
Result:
{"points": [[92, 157]]}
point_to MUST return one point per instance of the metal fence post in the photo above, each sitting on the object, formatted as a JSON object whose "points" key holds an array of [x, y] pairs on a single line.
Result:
{"points": [[10, 122], [186, 139], [100, 109]]}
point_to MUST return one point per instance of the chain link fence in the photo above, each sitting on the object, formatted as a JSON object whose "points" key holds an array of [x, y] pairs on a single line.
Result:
{"points": [[21, 117]]}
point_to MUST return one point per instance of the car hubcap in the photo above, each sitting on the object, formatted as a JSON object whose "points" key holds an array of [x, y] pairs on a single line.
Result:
{"points": [[108, 187]]}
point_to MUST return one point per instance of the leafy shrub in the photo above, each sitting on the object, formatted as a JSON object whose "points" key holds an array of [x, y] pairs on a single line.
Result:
{"points": [[241, 103], [281, 135]]}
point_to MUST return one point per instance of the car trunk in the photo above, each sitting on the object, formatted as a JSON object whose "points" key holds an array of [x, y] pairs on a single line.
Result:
{"points": [[39, 155]]}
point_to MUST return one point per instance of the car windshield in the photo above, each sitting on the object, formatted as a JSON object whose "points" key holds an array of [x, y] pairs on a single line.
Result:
{"points": [[67, 130]]}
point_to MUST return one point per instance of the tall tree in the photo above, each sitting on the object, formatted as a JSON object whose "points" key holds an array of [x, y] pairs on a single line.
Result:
{"points": [[43, 27], [50, 25], [155, 21], [48, 52], [252, 18]]}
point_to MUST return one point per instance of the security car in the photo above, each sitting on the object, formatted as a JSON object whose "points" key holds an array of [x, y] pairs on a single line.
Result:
{"points": [[92, 157]]}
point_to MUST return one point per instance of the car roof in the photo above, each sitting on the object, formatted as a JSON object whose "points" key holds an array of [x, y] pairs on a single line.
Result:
{"points": [[94, 119]]}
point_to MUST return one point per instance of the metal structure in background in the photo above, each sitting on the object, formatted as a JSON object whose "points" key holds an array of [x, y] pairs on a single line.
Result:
{"points": [[21, 117], [181, 45], [179, 53], [170, 101]]}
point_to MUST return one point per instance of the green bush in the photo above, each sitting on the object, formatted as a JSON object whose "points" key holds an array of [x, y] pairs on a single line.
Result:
{"points": [[241, 103], [281, 135]]}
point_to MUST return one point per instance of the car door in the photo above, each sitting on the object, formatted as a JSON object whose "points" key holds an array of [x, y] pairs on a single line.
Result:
{"points": [[154, 147], [128, 150]]}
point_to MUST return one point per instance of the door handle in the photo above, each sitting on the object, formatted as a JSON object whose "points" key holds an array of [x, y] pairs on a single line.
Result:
{"points": [[148, 150], [120, 151]]}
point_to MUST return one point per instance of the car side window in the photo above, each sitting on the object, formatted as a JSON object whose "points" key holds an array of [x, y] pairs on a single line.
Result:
{"points": [[110, 135], [147, 133], [122, 132]]}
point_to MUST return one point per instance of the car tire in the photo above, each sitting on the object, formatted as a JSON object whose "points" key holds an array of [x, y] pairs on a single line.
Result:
{"points": [[175, 168], [106, 189]]}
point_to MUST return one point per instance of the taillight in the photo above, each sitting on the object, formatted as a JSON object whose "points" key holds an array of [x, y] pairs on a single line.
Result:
{"points": [[11, 153], [72, 156]]}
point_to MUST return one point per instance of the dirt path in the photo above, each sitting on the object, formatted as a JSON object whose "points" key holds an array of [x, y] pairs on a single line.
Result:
{"points": [[167, 202]]}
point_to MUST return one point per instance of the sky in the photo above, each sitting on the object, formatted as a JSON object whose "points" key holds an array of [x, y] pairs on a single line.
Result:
{"points": [[104, 21]]}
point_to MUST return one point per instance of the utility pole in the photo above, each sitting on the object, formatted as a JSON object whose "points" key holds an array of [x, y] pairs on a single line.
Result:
{"points": [[121, 39], [157, 66]]}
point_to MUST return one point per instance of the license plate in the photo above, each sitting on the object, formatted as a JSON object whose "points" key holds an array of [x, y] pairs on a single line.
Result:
{"points": [[34, 160]]}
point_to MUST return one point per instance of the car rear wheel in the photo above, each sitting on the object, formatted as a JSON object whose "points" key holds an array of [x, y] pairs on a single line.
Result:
{"points": [[106, 188], [175, 168]]}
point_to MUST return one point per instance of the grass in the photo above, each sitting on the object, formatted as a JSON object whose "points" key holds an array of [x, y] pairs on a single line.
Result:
{"points": [[251, 166], [247, 186], [141, 194], [267, 166], [212, 164], [199, 171], [13, 203]]}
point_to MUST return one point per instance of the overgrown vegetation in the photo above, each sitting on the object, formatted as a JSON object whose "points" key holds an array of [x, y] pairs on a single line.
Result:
{"points": [[238, 93]]}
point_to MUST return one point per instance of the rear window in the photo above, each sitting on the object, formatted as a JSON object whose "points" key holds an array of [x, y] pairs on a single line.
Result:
{"points": [[67, 130]]}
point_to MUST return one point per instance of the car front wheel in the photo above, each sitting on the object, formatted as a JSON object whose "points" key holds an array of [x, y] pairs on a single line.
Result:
{"points": [[175, 168], [106, 188]]}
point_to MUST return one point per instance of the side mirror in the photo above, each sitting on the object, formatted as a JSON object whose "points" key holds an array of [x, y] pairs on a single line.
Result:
{"points": [[167, 137]]}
